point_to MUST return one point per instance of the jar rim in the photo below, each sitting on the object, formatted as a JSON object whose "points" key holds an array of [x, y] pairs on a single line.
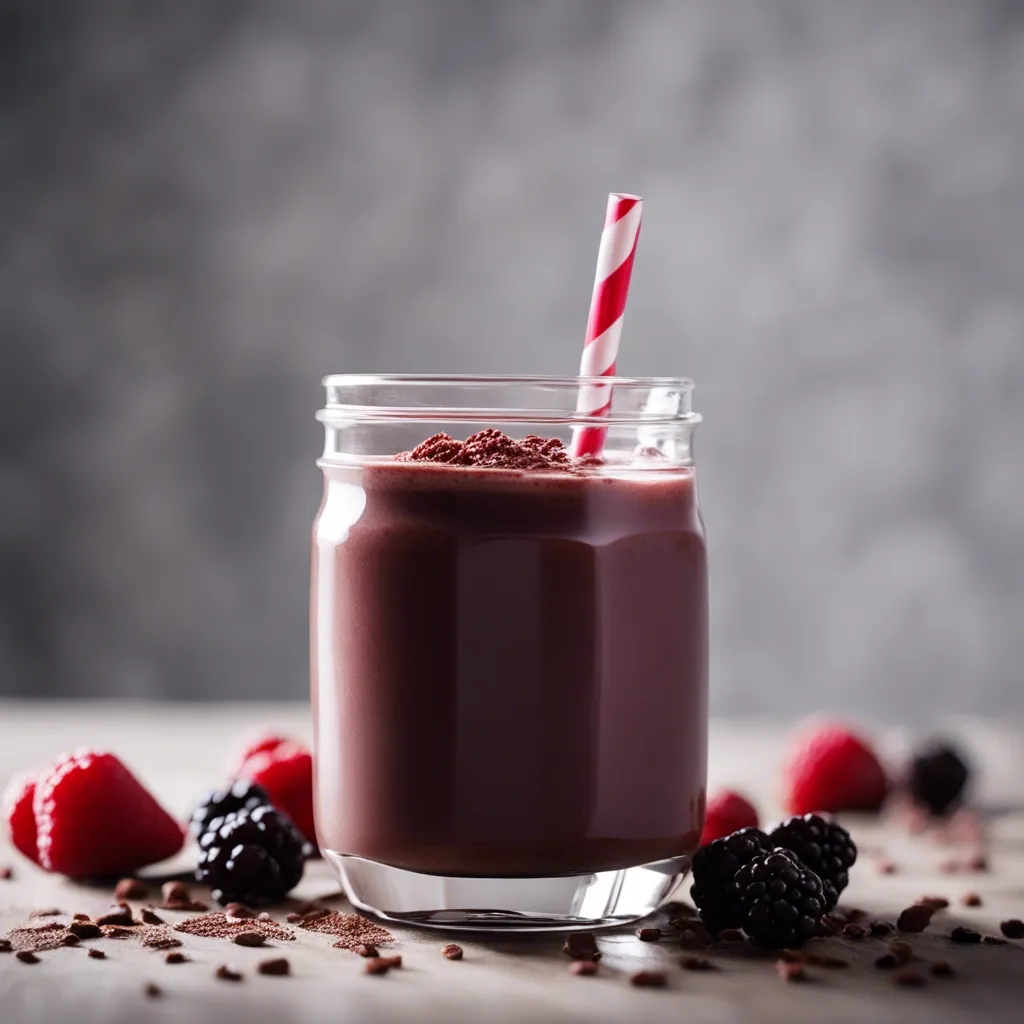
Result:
{"points": [[496, 380]]}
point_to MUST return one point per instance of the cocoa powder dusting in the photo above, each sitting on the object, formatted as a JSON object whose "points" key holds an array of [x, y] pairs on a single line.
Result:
{"points": [[218, 925], [37, 940], [352, 930], [491, 449]]}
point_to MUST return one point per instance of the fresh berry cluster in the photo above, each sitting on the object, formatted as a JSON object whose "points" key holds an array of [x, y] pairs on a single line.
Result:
{"points": [[776, 887]]}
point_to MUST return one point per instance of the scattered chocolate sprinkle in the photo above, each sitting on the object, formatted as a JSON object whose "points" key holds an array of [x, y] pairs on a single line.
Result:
{"points": [[649, 934], [941, 969], [689, 938], [352, 930], [46, 912], [248, 939], [885, 867], [908, 978], [39, 939], [880, 928], [160, 937], [149, 916], [965, 936], [971, 899], [790, 972], [240, 912], [993, 940], [26, 956], [130, 889], [152, 991], [581, 946], [903, 951], [826, 960], [935, 902], [277, 967], [697, 963], [648, 979], [854, 931], [367, 951], [175, 958], [217, 926], [583, 968], [731, 935], [452, 951], [6, 873], [85, 929], [97, 954], [915, 918], [1013, 929], [225, 973], [5, 946], [382, 964], [70, 940], [119, 915]]}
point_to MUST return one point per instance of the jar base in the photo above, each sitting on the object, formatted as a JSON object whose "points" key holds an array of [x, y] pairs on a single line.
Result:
{"points": [[563, 903]]}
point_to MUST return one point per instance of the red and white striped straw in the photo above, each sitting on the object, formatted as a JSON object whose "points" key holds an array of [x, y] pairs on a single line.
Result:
{"points": [[604, 327]]}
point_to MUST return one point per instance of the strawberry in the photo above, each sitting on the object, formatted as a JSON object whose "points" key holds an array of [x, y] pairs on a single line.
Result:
{"points": [[260, 745], [728, 812], [96, 820], [21, 821], [286, 773], [831, 768]]}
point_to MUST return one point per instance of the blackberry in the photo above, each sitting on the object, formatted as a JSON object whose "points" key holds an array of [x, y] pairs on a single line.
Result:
{"points": [[936, 778], [714, 869], [823, 846], [780, 899], [241, 795], [252, 856]]}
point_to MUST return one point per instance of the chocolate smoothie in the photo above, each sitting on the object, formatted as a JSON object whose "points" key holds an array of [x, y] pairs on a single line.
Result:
{"points": [[510, 661]]}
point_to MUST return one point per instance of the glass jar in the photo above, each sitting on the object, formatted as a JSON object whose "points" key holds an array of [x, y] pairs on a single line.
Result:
{"points": [[509, 667]]}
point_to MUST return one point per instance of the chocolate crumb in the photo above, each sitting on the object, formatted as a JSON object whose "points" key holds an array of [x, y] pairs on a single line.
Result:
{"points": [[6, 874], [830, 924], [908, 978], [26, 956], [239, 911], [936, 902], [690, 939], [915, 918], [225, 973], [941, 969], [160, 937], [880, 928], [790, 972], [971, 899], [248, 939], [731, 935], [583, 968], [175, 891], [46, 912], [116, 931], [71, 939], [149, 916], [965, 936], [5, 946], [119, 915], [1013, 928], [367, 950], [977, 862], [130, 889], [278, 967], [152, 991], [581, 946], [993, 940], [80, 917], [293, 918], [649, 934], [697, 963], [452, 951], [854, 932], [175, 958], [648, 979], [885, 867], [903, 951], [382, 964], [97, 954]]}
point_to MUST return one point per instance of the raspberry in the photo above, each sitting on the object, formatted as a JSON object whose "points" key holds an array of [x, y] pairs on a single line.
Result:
{"points": [[714, 869], [727, 813], [936, 778], [96, 820], [832, 769], [220, 802], [780, 900], [823, 846], [21, 820], [252, 856], [286, 773]]}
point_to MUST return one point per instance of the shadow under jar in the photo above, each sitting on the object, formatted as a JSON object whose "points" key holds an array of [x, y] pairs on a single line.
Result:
{"points": [[509, 667]]}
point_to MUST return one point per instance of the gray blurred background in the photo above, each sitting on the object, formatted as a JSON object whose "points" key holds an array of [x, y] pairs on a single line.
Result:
{"points": [[206, 206]]}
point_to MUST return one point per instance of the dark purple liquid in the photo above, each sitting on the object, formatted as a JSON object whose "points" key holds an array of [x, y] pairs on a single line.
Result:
{"points": [[509, 669]]}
